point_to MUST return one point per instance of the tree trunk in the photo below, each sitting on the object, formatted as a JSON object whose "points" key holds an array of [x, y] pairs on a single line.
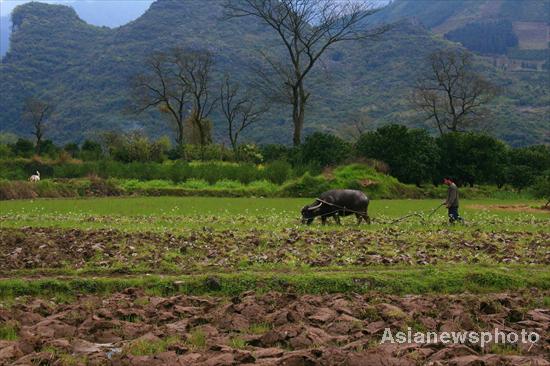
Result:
{"points": [[297, 137], [298, 113], [38, 144], [179, 137]]}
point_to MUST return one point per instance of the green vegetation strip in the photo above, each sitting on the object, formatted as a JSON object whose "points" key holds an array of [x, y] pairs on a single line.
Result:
{"points": [[455, 279]]}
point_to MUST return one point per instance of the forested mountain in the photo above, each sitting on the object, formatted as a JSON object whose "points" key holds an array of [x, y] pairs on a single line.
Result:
{"points": [[85, 71], [486, 37], [108, 13], [485, 26]]}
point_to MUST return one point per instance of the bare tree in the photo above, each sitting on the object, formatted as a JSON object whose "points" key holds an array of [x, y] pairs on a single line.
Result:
{"points": [[37, 112], [307, 29], [194, 69], [451, 93], [240, 110], [360, 122], [177, 83], [159, 87]]}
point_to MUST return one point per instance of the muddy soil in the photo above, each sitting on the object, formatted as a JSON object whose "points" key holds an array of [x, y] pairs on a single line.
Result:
{"points": [[132, 328], [36, 248]]}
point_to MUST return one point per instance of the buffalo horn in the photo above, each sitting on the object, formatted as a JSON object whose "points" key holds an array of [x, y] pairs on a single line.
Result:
{"points": [[316, 206]]}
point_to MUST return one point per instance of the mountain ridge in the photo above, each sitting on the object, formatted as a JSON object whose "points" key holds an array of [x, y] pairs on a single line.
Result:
{"points": [[86, 68], [530, 21], [110, 14]]}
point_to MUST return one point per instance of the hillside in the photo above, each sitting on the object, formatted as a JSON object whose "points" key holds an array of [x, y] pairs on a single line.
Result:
{"points": [[111, 13], [85, 70], [488, 22]]}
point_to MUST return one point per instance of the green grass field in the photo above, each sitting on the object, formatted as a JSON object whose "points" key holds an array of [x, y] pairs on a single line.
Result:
{"points": [[182, 213], [69, 246]]}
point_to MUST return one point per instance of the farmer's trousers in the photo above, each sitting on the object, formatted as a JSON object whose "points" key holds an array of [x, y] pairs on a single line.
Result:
{"points": [[453, 215]]}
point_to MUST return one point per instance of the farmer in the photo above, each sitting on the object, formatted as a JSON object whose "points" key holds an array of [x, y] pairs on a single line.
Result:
{"points": [[452, 201]]}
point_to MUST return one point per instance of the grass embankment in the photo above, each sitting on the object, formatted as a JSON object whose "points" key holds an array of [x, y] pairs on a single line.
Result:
{"points": [[254, 181], [411, 280]]}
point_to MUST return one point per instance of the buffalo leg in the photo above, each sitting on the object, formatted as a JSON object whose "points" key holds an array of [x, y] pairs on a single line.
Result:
{"points": [[359, 218], [337, 219], [367, 218], [324, 220]]}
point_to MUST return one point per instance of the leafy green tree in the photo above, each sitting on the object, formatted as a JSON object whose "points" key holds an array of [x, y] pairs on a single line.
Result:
{"points": [[91, 150], [411, 154], [520, 176], [136, 147], [5, 151], [472, 158], [526, 164], [541, 188], [537, 157], [23, 148], [274, 152], [47, 147], [324, 149], [497, 37], [72, 149]]}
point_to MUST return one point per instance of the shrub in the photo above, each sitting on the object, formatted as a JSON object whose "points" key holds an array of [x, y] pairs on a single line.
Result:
{"points": [[136, 147], [5, 151], [228, 184], [263, 187], [368, 180], [101, 187], [412, 155], [306, 186], [278, 171], [195, 184], [275, 152], [471, 158], [72, 149], [47, 188], [541, 188], [12, 170], [180, 171], [72, 170], [23, 148], [249, 153], [206, 153], [91, 150], [520, 176], [324, 149], [11, 190]]}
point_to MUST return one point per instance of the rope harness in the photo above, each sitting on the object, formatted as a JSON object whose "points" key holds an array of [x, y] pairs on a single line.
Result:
{"points": [[345, 209], [339, 208], [419, 214]]}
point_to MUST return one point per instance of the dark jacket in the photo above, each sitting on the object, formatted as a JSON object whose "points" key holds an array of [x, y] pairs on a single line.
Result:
{"points": [[452, 196]]}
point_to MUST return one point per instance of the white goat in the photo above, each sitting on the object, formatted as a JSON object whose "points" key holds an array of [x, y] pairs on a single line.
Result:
{"points": [[35, 178]]}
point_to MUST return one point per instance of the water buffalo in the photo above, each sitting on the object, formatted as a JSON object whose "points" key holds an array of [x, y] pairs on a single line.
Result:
{"points": [[336, 203]]}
